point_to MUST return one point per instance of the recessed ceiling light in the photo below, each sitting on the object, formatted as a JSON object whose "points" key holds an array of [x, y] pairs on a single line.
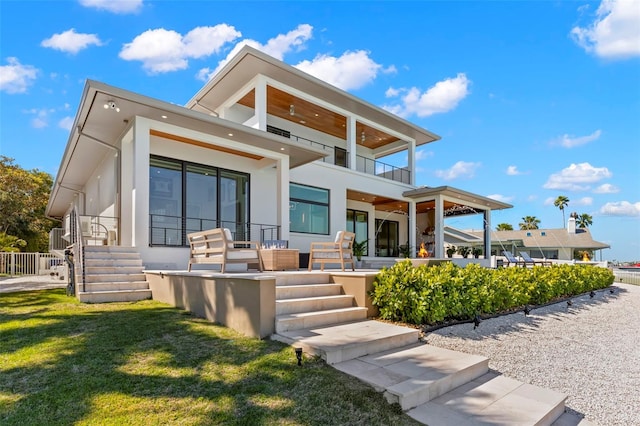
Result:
{"points": [[282, 149], [302, 121], [230, 134], [164, 116]]}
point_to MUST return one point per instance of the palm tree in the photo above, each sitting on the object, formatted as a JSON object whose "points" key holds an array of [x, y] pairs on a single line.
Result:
{"points": [[529, 222], [561, 202], [584, 220], [504, 227]]}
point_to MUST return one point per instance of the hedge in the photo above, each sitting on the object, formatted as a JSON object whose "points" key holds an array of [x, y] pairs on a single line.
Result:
{"points": [[434, 294]]}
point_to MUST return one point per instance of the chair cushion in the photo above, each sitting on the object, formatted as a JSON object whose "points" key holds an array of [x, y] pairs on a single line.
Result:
{"points": [[227, 235], [242, 254]]}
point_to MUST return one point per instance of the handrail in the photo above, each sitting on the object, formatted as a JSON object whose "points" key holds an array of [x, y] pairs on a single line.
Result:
{"points": [[363, 164], [78, 246]]}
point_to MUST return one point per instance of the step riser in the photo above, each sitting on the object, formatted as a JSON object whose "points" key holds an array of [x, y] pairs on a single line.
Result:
{"points": [[97, 270], [102, 278], [438, 387], [303, 278], [315, 304], [128, 263], [111, 256], [309, 290], [116, 286], [109, 249], [334, 357], [120, 296], [320, 319]]}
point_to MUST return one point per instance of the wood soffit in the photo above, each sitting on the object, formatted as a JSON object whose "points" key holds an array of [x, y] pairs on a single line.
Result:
{"points": [[203, 144], [316, 117]]}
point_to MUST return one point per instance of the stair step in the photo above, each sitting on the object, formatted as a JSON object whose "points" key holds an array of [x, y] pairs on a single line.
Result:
{"points": [[297, 278], [107, 262], [307, 290], [118, 285], [114, 296], [313, 304], [571, 419], [342, 342], [109, 249], [110, 255], [102, 278], [98, 270], [301, 320], [414, 375], [492, 399]]}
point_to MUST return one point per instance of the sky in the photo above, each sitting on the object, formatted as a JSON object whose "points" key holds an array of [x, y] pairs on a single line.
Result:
{"points": [[532, 99]]}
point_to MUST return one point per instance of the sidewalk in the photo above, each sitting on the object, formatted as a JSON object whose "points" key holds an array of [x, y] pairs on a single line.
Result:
{"points": [[30, 282]]}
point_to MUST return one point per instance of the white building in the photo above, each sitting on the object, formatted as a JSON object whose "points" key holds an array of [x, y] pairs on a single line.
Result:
{"points": [[263, 149]]}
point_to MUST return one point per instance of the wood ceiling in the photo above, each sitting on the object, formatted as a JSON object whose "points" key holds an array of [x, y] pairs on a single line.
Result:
{"points": [[316, 117], [389, 204]]}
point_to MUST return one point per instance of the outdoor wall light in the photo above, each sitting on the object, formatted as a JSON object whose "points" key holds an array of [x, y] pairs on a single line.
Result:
{"points": [[292, 110], [299, 356], [112, 105]]}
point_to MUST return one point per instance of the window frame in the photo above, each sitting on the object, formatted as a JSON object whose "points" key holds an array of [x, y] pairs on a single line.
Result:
{"points": [[311, 202]]}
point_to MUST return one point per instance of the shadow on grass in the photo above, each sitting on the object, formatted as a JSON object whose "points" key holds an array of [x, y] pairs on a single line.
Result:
{"points": [[144, 362]]}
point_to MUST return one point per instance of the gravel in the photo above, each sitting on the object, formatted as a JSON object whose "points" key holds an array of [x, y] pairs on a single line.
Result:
{"points": [[589, 351]]}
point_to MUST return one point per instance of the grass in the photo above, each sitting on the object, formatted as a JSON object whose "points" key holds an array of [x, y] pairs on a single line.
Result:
{"points": [[62, 362]]}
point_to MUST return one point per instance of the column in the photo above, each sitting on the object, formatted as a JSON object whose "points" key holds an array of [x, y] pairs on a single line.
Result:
{"points": [[412, 224], [412, 162], [439, 227], [261, 104], [351, 141], [283, 196], [487, 234]]}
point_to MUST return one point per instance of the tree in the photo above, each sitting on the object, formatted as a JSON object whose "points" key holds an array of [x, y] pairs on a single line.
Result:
{"points": [[504, 227], [9, 243], [561, 202], [24, 196], [529, 222], [584, 220]]}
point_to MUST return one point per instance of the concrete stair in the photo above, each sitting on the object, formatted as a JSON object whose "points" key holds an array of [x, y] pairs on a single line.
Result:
{"points": [[311, 300], [435, 386], [112, 274]]}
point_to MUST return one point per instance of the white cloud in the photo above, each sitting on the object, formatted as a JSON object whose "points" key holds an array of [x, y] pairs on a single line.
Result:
{"points": [[462, 169], [606, 188], [570, 141], [114, 6], [422, 154], [621, 208], [549, 201], [71, 42], [66, 123], [577, 177], [442, 97], [513, 171], [15, 77], [276, 47], [350, 71], [41, 119], [163, 50], [614, 33], [392, 92], [584, 201], [502, 198]]}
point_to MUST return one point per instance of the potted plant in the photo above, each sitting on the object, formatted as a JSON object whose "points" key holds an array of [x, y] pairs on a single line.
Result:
{"points": [[359, 249], [451, 250], [476, 251], [464, 251], [405, 250]]}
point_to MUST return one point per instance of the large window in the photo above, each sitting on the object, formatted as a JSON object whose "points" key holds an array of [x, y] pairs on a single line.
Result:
{"points": [[358, 222], [186, 197], [309, 209]]}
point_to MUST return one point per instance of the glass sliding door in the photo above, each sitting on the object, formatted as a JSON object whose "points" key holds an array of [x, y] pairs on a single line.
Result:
{"points": [[165, 202], [187, 197], [387, 238], [201, 196], [358, 222]]}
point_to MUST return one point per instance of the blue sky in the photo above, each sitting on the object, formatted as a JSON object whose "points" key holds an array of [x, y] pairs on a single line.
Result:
{"points": [[532, 99]]}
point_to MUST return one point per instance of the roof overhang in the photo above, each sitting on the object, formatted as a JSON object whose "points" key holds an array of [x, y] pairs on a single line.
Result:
{"points": [[98, 130], [249, 62], [427, 193]]}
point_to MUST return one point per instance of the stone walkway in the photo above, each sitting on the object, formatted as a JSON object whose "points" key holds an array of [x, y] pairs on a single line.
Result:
{"points": [[30, 282]]}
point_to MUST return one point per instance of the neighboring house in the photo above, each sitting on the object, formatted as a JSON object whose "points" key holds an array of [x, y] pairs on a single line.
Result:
{"points": [[263, 149], [558, 243]]}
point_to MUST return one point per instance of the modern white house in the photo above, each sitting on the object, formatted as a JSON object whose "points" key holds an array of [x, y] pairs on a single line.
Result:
{"points": [[263, 149]]}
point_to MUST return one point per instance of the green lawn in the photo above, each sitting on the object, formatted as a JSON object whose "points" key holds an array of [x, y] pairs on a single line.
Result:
{"points": [[62, 362]]}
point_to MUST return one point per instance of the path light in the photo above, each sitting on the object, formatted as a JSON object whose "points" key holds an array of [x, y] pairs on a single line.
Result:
{"points": [[299, 356], [569, 303], [476, 321], [527, 310], [593, 293]]}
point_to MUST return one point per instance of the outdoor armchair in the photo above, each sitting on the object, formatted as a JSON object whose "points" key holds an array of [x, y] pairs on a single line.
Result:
{"points": [[216, 246], [340, 251]]}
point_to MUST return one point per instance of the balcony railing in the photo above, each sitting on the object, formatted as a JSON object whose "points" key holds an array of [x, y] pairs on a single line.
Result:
{"points": [[366, 165], [172, 230]]}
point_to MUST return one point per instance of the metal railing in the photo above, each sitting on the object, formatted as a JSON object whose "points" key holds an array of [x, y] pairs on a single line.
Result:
{"points": [[56, 239], [172, 230], [16, 263], [363, 164]]}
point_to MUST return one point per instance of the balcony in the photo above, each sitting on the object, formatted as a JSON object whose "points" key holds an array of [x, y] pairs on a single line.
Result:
{"points": [[340, 157]]}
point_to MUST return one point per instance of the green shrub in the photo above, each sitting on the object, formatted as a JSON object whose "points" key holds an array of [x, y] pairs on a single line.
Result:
{"points": [[430, 295]]}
